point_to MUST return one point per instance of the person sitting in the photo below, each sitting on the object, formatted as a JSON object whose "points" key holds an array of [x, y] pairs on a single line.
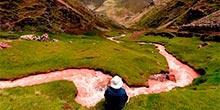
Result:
{"points": [[115, 95]]}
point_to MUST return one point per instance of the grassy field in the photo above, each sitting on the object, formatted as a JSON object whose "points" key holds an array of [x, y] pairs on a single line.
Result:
{"points": [[131, 61], [203, 94], [194, 52], [57, 95], [77, 51]]}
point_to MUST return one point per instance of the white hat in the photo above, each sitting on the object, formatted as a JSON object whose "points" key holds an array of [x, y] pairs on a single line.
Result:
{"points": [[116, 82]]}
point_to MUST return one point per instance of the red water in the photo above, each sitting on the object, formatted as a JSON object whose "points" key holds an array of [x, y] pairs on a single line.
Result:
{"points": [[92, 84]]}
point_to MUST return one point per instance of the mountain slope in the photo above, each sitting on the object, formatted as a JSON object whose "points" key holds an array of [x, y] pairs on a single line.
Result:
{"points": [[207, 23], [55, 16], [124, 12], [178, 12]]}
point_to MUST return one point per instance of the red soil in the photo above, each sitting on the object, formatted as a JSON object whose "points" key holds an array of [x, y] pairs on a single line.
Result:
{"points": [[136, 34], [91, 84], [4, 45]]}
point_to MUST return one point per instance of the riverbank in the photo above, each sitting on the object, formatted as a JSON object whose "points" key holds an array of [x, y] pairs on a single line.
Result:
{"points": [[57, 95], [91, 84]]}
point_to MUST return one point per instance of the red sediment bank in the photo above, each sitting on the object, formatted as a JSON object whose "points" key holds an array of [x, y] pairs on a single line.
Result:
{"points": [[91, 84], [4, 45]]}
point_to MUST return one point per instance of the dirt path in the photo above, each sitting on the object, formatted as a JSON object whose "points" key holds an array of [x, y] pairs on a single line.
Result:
{"points": [[92, 84]]}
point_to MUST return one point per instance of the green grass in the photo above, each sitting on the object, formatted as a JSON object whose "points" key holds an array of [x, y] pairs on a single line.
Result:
{"points": [[6, 35], [57, 95], [203, 94], [179, 99], [187, 49], [113, 33], [126, 59], [131, 61], [178, 12]]}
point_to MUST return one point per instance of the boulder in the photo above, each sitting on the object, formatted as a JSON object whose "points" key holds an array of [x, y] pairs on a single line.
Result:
{"points": [[28, 37], [41, 38], [4, 45]]}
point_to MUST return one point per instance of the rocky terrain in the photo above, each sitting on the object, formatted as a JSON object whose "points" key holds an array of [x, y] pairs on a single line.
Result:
{"points": [[160, 14], [207, 23], [125, 12], [81, 16], [68, 16], [178, 12]]}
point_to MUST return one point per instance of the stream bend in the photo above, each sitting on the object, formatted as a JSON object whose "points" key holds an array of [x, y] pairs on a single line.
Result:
{"points": [[91, 84]]}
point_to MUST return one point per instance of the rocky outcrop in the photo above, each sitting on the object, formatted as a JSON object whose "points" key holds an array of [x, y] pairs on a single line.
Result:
{"points": [[4, 46], [41, 38], [208, 23]]}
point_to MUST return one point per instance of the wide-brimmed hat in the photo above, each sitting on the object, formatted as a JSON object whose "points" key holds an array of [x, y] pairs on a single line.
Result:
{"points": [[116, 82]]}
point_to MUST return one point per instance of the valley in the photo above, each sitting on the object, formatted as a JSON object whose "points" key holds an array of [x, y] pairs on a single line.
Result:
{"points": [[167, 53]]}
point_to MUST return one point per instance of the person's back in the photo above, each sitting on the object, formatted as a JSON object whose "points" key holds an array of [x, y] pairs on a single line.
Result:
{"points": [[115, 96]]}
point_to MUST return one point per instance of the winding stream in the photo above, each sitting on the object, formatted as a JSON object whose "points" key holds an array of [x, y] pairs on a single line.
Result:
{"points": [[91, 84]]}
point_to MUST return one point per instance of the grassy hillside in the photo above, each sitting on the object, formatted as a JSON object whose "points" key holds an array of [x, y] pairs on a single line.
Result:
{"points": [[54, 16], [121, 11], [178, 12], [209, 24]]}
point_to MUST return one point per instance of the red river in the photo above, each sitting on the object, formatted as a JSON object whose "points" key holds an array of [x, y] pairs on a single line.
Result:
{"points": [[91, 84]]}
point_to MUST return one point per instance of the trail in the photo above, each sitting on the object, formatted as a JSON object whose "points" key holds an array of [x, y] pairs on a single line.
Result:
{"points": [[91, 84]]}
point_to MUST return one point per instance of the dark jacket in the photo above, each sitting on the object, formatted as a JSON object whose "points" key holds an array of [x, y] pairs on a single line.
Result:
{"points": [[115, 98]]}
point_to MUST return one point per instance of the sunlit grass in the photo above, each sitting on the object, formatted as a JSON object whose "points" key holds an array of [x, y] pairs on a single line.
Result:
{"points": [[131, 61], [126, 59], [191, 51], [57, 95]]}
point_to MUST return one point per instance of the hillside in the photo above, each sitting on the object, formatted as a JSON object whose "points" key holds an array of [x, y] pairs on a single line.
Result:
{"points": [[54, 16], [125, 12], [178, 12], [153, 13], [207, 23], [92, 4]]}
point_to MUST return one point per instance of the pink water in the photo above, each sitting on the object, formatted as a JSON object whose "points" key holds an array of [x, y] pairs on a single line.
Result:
{"points": [[91, 84]]}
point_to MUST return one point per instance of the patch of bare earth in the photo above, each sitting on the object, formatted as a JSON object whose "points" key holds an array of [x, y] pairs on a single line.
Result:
{"points": [[4, 45]]}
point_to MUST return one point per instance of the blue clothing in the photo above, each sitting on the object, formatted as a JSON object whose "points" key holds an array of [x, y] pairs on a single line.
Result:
{"points": [[115, 98]]}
